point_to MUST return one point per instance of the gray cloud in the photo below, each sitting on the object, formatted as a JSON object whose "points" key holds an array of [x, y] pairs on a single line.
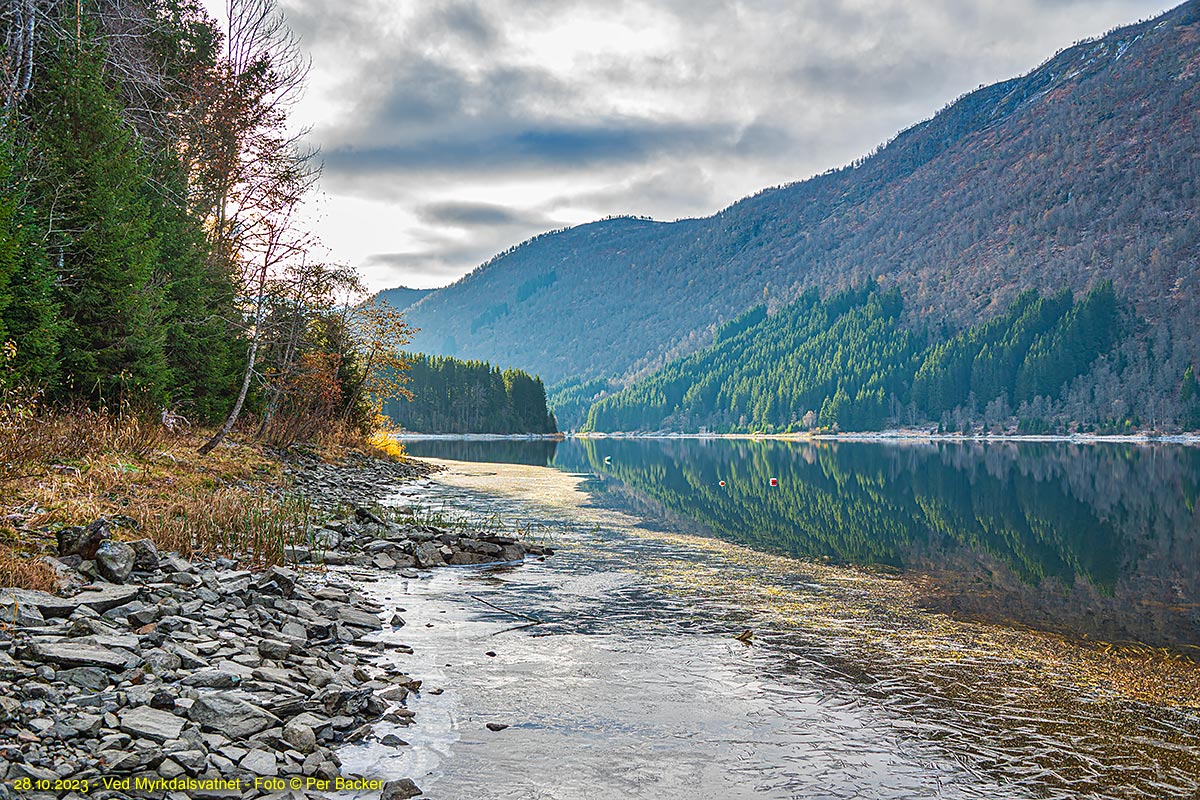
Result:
{"points": [[465, 214], [438, 98]]}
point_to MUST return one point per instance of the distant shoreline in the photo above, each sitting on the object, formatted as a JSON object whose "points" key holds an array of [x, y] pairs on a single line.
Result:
{"points": [[407, 436]]}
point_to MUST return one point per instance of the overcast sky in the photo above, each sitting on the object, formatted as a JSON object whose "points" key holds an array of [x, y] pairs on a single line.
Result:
{"points": [[452, 129]]}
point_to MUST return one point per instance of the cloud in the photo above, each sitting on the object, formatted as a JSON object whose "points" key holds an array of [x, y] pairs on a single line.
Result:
{"points": [[465, 214], [663, 107]]}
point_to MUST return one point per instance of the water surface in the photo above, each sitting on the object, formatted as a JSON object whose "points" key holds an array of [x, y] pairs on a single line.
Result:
{"points": [[922, 621]]}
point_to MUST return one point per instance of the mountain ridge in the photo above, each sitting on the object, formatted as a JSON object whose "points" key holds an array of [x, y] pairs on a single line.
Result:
{"points": [[1084, 168]]}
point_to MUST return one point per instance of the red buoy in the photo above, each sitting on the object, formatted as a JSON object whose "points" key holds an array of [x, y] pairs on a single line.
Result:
{"points": [[774, 481], [721, 483]]}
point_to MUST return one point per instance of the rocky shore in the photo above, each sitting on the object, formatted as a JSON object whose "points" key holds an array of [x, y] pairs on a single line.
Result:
{"points": [[150, 675]]}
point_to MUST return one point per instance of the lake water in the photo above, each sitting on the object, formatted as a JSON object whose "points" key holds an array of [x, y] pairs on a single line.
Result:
{"points": [[957, 620]]}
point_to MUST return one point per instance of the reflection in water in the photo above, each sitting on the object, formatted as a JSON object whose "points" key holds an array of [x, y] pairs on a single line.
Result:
{"points": [[634, 686], [534, 452], [1095, 540]]}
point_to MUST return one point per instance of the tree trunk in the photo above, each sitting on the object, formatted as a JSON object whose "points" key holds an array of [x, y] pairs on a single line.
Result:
{"points": [[237, 407]]}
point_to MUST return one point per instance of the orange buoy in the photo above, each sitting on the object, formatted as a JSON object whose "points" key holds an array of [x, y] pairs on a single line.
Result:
{"points": [[721, 483]]}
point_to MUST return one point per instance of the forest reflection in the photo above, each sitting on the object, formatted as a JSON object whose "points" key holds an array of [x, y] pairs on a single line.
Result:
{"points": [[1101, 541]]}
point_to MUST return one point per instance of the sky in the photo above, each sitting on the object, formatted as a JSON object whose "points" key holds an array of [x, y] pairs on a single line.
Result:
{"points": [[451, 130]]}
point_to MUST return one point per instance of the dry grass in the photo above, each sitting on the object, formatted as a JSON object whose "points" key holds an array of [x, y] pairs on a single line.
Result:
{"points": [[17, 569], [60, 467]]}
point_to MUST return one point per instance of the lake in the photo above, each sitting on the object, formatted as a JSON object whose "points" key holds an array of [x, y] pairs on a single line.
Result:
{"points": [[946, 619]]}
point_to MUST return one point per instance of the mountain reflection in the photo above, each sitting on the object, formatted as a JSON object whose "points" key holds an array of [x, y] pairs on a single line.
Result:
{"points": [[1100, 541]]}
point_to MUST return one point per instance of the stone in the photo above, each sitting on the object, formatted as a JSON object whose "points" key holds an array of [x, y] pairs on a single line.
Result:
{"points": [[114, 560], [145, 555], [392, 740], [22, 615], [70, 654], [48, 605], [92, 678], [212, 678], [496, 727], [169, 768], [277, 580], [101, 597], [260, 762], [273, 649], [300, 736], [358, 619], [163, 700], [160, 662], [194, 761], [401, 789], [83, 542], [231, 715], [428, 555], [151, 723]]}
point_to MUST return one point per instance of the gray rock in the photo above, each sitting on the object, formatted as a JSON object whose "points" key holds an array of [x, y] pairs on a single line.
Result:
{"points": [[231, 715], [47, 604], [169, 768], [22, 615], [277, 580], [194, 761], [92, 678], [151, 723], [145, 555], [428, 555], [84, 541], [399, 790], [114, 560], [71, 654], [300, 736], [100, 597], [273, 649], [260, 762], [212, 679], [358, 619]]}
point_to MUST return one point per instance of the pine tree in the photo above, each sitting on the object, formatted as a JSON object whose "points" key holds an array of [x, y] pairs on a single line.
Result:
{"points": [[90, 174]]}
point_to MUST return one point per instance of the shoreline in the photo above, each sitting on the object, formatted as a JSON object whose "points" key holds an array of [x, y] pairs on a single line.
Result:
{"points": [[149, 670]]}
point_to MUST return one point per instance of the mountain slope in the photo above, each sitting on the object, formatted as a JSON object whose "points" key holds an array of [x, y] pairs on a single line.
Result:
{"points": [[1086, 168]]}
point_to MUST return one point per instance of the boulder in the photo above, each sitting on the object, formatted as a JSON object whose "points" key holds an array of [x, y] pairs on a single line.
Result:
{"points": [[92, 678], [72, 654], [399, 790], [277, 580], [114, 560], [151, 723], [145, 555], [428, 555], [260, 762], [230, 715], [213, 679], [83, 542], [300, 736]]}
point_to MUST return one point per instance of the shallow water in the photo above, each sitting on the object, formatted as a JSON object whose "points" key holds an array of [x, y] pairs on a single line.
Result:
{"points": [[853, 687]]}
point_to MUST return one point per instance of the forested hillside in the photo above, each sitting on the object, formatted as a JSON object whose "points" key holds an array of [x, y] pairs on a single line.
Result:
{"points": [[453, 396], [150, 258], [1086, 169], [847, 363]]}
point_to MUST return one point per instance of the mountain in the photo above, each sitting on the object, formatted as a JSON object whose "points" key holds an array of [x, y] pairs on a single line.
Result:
{"points": [[1087, 168], [846, 363], [401, 297]]}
